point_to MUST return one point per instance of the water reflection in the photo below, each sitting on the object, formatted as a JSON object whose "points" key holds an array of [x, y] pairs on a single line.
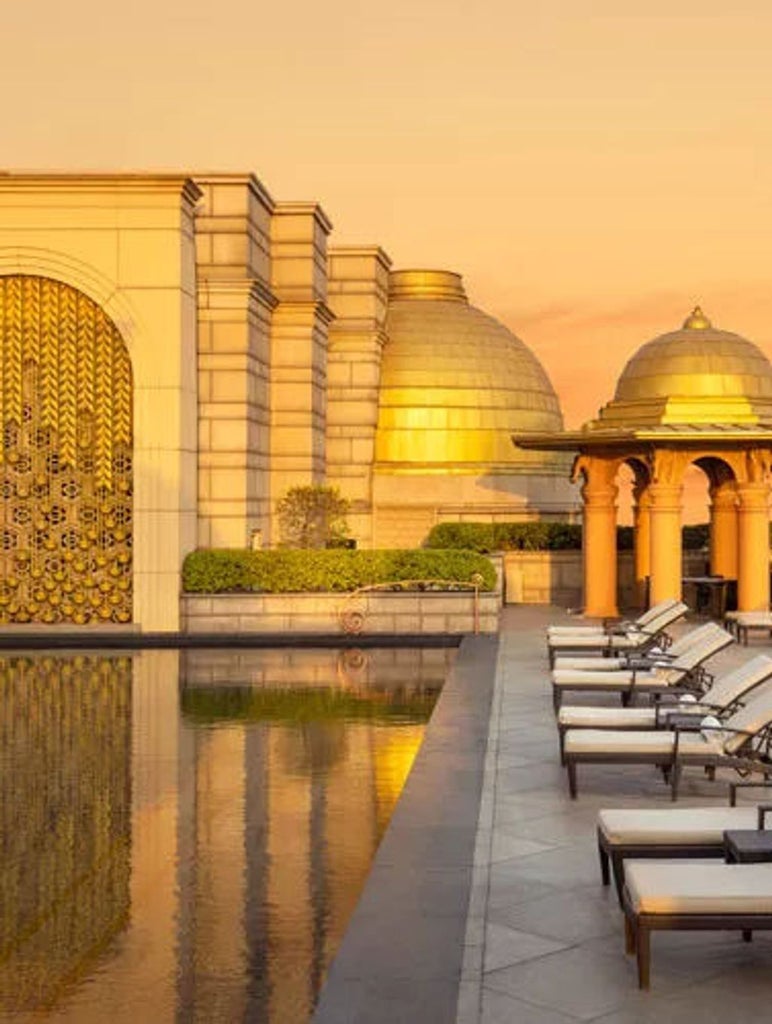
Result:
{"points": [[65, 823], [183, 836]]}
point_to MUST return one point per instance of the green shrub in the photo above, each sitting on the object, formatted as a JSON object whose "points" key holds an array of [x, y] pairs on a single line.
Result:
{"points": [[313, 516], [291, 572], [486, 537], [539, 536]]}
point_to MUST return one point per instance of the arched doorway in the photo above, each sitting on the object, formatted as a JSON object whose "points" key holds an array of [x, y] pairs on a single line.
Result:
{"points": [[65, 459]]}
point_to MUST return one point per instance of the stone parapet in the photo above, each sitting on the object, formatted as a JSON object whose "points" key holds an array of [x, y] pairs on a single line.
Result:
{"points": [[383, 613]]}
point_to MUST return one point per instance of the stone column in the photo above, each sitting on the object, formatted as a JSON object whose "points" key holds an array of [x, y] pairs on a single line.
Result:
{"points": [[723, 531], [665, 527], [641, 539], [599, 548], [753, 547]]}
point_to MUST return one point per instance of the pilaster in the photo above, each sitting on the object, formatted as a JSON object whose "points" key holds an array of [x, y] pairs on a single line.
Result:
{"points": [[358, 296], [298, 345], [234, 314]]}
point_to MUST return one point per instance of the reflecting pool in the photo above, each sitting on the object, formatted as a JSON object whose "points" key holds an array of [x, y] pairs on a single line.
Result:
{"points": [[184, 834]]}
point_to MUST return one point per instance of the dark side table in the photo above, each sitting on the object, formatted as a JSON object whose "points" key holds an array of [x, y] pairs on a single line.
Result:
{"points": [[749, 846]]}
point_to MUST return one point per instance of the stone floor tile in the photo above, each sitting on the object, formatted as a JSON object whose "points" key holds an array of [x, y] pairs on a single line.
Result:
{"points": [[576, 982], [498, 1008], [570, 915], [506, 946], [505, 847]]}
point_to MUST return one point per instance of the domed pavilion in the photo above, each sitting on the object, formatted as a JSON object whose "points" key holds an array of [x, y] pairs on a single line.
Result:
{"points": [[454, 384], [699, 396]]}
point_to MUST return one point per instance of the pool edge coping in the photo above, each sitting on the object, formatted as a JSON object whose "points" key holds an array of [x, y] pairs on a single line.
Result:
{"points": [[410, 949]]}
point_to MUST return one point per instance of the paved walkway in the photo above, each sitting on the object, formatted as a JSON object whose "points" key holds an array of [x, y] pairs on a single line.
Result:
{"points": [[544, 942]]}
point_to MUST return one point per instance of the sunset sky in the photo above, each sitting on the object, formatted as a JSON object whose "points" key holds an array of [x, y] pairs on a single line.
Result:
{"points": [[593, 169]]}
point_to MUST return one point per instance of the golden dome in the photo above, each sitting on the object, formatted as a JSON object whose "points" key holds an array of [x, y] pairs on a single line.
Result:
{"points": [[455, 384], [697, 374]]}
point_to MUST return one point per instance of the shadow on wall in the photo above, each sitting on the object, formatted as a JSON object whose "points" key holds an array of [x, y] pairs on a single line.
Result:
{"points": [[555, 577]]}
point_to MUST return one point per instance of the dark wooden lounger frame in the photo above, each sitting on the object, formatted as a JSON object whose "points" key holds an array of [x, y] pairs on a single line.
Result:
{"points": [[639, 926], [612, 855]]}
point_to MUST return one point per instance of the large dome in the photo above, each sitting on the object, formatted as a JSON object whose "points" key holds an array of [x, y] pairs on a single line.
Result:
{"points": [[455, 384], [697, 374]]}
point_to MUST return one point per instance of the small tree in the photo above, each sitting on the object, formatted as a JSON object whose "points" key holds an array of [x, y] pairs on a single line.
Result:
{"points": [[313, 516]]}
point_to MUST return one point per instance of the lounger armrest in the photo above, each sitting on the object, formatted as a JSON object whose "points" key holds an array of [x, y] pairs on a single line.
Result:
{"points": [[677, 694], [763, 810], [720, 709], [734, 786], [662, 711], [640, 663], [677, 730]]}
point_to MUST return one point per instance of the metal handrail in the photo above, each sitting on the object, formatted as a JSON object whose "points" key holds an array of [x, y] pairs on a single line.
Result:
{"points": [[352, 620]]}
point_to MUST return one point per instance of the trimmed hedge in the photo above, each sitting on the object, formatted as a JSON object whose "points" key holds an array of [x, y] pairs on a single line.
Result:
{"points": [[540, 536], [487, 537], [284, 571]]}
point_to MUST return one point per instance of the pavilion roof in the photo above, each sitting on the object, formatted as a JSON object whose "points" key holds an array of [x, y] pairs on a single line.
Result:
{"points": [[686, 434]]}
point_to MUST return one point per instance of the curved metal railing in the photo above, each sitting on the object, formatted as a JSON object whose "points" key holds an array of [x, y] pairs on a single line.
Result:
{"points": [[353, 613]]}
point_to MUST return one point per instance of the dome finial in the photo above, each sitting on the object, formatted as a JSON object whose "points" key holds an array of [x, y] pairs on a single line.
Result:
{"points": [[696, 321]]}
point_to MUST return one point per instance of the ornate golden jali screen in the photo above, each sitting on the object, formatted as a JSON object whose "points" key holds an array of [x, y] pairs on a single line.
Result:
{"points": [[65, 460]]}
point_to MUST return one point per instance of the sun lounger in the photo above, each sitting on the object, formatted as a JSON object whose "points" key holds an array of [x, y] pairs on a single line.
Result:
{"points": [[708, 640], [635, 640], [721, 698], [665, 832], [619, 627], [742, 742], [601, 663], [604, 663], [697, 895], [743, 623]]}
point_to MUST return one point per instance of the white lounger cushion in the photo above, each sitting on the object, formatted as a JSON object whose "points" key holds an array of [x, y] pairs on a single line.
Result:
{"points": [[699, 887], [588, 663], [661, 741], [751, 618], [595, 641], [686, 826], [575, 680], [586, 717], [573, 630]]}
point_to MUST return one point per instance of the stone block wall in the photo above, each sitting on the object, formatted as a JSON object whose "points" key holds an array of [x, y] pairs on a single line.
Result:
{"points": [[383, 613]]}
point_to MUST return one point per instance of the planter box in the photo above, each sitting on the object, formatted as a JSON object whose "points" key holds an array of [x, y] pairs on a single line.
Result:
{"points": [[377, 613]]}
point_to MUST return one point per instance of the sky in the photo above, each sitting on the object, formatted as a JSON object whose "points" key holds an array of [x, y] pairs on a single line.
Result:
{"points": [[592, 169]]}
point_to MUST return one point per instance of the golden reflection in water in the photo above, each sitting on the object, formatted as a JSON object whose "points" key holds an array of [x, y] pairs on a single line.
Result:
{"points": [[203, 824], [311, 804], [64, 821]]}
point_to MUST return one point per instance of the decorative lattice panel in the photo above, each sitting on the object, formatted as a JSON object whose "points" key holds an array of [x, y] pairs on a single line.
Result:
{"points": [[65, 458]]}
